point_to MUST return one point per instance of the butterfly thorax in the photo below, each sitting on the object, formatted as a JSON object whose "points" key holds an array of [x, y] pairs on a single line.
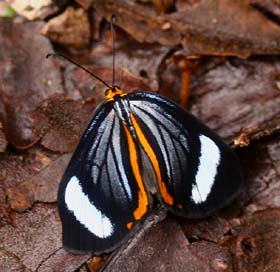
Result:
{"points": [[121, 104], [113, 93]]}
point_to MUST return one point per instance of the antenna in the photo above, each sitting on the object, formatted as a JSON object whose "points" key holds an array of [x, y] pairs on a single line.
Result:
{"points": [[83, 68], [113, 18]]}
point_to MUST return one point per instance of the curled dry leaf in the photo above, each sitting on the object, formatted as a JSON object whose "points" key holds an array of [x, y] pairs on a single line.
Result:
{"points": [[71, 28], [204, 28]]}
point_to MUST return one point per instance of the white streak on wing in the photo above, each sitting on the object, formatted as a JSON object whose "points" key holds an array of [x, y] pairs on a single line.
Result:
{"points": [[208, 164], [117, 149], [103, 135], [100, 133], [85, 212]]}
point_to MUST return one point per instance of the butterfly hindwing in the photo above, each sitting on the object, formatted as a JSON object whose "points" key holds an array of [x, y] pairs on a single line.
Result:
{"points": [[200, 172], [100, 199]]}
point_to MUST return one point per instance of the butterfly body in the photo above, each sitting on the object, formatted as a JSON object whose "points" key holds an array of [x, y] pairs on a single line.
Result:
{"points": [[138, 146]]}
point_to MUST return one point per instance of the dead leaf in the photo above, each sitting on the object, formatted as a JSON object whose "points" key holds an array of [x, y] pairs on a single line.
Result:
{"points": [[204, 28], [165, 248], [71, 28], [41, 187], [26, 78], [60, 122]]}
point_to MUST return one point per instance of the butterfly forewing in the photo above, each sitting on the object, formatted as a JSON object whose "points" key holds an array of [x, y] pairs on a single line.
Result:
{"points": [[99, 194]]}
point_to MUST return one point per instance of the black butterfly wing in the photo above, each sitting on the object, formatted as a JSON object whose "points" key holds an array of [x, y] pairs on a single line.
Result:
{"points": [[100, 198], [200, 172]]}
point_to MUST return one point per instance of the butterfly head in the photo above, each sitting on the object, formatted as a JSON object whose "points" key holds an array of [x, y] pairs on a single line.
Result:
{"points": [[112, 93]]}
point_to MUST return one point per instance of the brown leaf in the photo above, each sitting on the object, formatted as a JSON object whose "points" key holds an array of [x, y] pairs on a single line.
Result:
{"points": [[14, 169], [63, 261], [71, 28], [204, 28], [165, 238], [60, 122], [41, 187], [165, 248], [26, 78], [36, 236], [35, 243]]}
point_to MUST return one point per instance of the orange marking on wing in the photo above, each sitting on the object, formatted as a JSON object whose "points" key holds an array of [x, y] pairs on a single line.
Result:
{"points": [[142, 195], [129, 225], [152, 156]]}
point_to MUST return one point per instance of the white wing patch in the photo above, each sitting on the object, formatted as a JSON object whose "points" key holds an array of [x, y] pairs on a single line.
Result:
{"points": [[209, 160], [85, 212]]}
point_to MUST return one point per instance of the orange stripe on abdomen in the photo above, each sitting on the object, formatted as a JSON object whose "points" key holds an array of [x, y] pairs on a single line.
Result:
{"points": [[152, 156]]}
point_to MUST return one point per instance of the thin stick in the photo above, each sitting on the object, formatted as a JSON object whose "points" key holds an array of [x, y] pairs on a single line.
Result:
{"points": [[77, 64]]}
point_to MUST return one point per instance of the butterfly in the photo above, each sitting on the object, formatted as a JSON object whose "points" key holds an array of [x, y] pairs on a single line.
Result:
{"points": [[139, 146]]}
